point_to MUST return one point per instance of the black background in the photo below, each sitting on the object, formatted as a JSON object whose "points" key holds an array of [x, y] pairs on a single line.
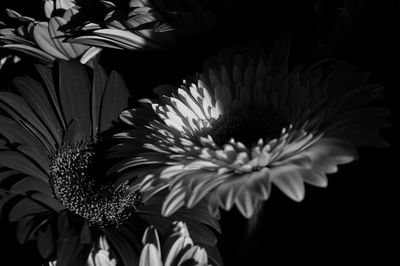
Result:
{"points": [[353, 220]]}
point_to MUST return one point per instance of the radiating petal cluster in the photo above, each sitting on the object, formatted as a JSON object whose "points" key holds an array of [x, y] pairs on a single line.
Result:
{"points": [[44, 40], [175, 249], [53, 146], [142, 24], [49, 131], [247, 122], [142, 28]]}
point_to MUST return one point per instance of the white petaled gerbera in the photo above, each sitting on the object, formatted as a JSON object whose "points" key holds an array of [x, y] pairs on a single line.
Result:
{"points": [[43, 39], [247, 122], [176, 249]]}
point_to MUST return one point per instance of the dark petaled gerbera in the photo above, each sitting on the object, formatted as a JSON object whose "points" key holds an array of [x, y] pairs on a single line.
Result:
{"points": [[246, 122], [53, 141]]}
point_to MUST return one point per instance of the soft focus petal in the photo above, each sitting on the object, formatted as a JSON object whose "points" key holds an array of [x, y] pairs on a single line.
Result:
{"points": [[150, 256]]}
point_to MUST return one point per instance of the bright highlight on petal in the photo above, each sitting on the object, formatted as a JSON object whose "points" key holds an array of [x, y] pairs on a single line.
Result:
{"points": [[44, 40], [247, 122]]}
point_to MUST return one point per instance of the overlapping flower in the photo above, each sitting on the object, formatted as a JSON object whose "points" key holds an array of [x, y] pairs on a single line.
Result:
{"points": [[247, 122], [141, 24], [43, 39], [53, 140], [176, 248]]}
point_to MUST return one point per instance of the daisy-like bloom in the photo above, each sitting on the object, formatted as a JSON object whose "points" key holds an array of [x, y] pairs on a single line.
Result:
{"points": [[247, 122], [43, 39], [175, 249], [129, 25], [142, 24], [53, 140]]}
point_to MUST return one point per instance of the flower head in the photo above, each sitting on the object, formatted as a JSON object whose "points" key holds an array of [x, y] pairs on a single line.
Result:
{"points": [[43, 39], [177, 248], [247, 122], [54, 136], [142, 24]]}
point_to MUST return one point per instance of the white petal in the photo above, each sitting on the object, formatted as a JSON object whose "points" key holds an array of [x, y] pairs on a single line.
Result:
{"points": [[150, 236], [289, 181], [199, 255], [43, 40], [150, 256], [174, 201], [48, 8]]}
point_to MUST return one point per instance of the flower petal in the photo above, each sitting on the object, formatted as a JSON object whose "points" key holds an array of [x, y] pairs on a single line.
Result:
{"points": [[289, 181]]}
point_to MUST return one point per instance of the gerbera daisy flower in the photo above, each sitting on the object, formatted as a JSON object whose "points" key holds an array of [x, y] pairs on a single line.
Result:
{"points": [[247, 122], [142, 24], [43, 39], [176, 248], [53, 141]]}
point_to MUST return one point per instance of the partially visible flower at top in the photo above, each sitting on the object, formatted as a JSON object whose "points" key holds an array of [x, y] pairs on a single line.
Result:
{"points": [[43, 39], [175, 249], [141, 24], [54, 134], [246, 122]]}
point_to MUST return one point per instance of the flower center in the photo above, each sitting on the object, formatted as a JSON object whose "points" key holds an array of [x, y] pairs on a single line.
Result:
{"points": [[75, 187], [248, 126]]}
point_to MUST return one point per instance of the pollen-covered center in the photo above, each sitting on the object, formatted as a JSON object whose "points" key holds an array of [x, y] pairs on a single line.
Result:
{"points": [[248, 126], [75, 186]]}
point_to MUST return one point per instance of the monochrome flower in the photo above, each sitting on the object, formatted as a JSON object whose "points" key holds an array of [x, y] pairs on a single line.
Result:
{"points": [[141, 24], [54, 135], [247, 122], [43, 39]]}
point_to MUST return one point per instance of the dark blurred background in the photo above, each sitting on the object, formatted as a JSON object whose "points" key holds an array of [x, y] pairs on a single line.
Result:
{"points": [[353, 220]]}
